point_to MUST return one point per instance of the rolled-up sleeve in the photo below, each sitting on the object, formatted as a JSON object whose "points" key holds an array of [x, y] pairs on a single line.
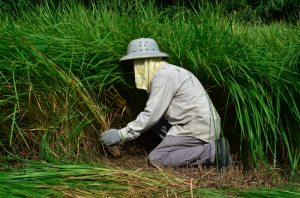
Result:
{"points": [[162, 92]]}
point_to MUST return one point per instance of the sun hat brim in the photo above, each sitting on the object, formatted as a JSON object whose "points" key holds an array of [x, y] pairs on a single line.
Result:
{"points": [[144, 55]]}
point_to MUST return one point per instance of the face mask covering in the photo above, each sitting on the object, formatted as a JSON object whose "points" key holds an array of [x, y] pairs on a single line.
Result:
{"points": [[144, 70]]}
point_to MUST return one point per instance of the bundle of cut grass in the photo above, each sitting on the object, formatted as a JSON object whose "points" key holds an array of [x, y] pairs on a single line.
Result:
{"points": [[61, 84], [40, 179], [64, 180]]}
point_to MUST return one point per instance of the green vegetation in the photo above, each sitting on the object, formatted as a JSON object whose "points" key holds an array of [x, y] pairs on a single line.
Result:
{"points": [[61, 84], [40, 179], [249, 10]]}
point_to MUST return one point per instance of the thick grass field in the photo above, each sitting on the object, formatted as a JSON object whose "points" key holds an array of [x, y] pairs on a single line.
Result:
{"points": [[61, 85]]}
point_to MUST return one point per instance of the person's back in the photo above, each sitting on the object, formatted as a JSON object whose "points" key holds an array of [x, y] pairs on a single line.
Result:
{"points": [[190, 112]]}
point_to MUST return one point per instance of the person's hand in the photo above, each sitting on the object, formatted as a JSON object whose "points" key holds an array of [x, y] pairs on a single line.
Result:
{"points": [[111, 137]]}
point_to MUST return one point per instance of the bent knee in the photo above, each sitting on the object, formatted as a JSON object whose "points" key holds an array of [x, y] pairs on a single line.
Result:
{"points": [[152, 156], [154, 159]]}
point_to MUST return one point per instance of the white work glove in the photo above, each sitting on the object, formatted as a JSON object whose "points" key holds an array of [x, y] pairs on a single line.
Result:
{"points": [[111, 137]]}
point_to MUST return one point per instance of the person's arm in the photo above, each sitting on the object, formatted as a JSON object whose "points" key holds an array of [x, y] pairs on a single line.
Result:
{"points": [[161, 94]]}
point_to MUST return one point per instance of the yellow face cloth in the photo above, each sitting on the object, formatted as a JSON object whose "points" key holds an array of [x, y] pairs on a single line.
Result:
{"points": [[144, 70]]}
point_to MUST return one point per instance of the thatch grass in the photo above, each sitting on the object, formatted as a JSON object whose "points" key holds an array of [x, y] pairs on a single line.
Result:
{"points": [[41, 179], [81, 180], [60, 84]]}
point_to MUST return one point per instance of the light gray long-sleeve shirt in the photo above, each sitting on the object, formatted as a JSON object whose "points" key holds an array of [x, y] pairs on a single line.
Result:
{"points": [[178, 96]]}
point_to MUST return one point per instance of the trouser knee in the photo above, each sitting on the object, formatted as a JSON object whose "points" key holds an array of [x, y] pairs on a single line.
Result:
{"points": [[153, 160]]}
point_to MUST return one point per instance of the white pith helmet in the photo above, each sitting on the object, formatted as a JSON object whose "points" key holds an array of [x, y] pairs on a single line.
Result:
{"points": [[143, 48]]}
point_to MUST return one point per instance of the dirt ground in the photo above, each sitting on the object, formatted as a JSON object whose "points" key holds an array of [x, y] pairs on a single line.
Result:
{"points": [[135, 157]]}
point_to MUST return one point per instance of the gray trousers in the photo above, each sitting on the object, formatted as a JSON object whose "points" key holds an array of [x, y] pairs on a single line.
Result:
{"points": [[176, 151]]}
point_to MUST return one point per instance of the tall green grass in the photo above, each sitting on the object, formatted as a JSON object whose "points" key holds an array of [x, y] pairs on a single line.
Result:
{"points": [[61, 85]]}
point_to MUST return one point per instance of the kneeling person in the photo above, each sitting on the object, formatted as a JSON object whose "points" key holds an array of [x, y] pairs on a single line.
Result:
{"points": [[178, 110]]}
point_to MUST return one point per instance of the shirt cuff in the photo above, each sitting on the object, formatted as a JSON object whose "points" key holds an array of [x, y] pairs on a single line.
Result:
{"points": [[123, 134]]}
